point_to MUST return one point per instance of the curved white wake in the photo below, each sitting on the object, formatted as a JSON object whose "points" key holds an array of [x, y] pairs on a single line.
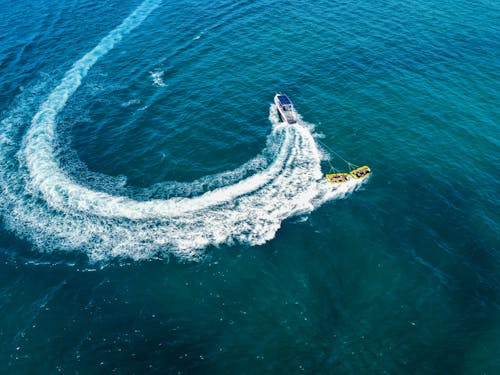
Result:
{"points": [[42, 202]]}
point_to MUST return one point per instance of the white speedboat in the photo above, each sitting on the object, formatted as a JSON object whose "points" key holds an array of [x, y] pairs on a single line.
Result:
{"points": [[285, 108]]}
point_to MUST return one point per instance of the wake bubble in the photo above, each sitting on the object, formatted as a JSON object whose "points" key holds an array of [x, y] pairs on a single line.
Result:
{"points": [[41, 202]]}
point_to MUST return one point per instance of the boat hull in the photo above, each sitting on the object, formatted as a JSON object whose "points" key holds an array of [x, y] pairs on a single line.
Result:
{"points": [[287, 114]]}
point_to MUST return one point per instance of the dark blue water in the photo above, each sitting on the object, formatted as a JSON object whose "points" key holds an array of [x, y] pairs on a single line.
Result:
{"points": [[157, 217]]}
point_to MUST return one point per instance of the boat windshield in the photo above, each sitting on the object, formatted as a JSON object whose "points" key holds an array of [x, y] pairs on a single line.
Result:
{"points": [[284, 100]]}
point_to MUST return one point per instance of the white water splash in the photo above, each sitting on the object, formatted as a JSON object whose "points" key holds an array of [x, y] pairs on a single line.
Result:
{"points": [[131, 102], [41, 202], [157, 78]]}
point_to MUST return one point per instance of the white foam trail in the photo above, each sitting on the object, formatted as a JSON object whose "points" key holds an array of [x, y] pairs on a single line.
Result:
{"points": [[40, 201]]}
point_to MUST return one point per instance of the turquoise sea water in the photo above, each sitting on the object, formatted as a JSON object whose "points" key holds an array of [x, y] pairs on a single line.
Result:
{"points": [[156, 217]]}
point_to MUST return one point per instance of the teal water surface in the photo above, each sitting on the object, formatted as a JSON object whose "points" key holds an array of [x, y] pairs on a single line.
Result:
{"points": [[156, 217]]}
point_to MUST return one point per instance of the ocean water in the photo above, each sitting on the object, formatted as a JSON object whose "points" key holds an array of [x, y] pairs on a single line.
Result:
{"points": [[157, 217]]}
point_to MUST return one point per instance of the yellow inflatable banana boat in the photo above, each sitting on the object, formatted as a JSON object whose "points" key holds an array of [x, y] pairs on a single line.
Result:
{"points": [[361, 172], [337, 178]]}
